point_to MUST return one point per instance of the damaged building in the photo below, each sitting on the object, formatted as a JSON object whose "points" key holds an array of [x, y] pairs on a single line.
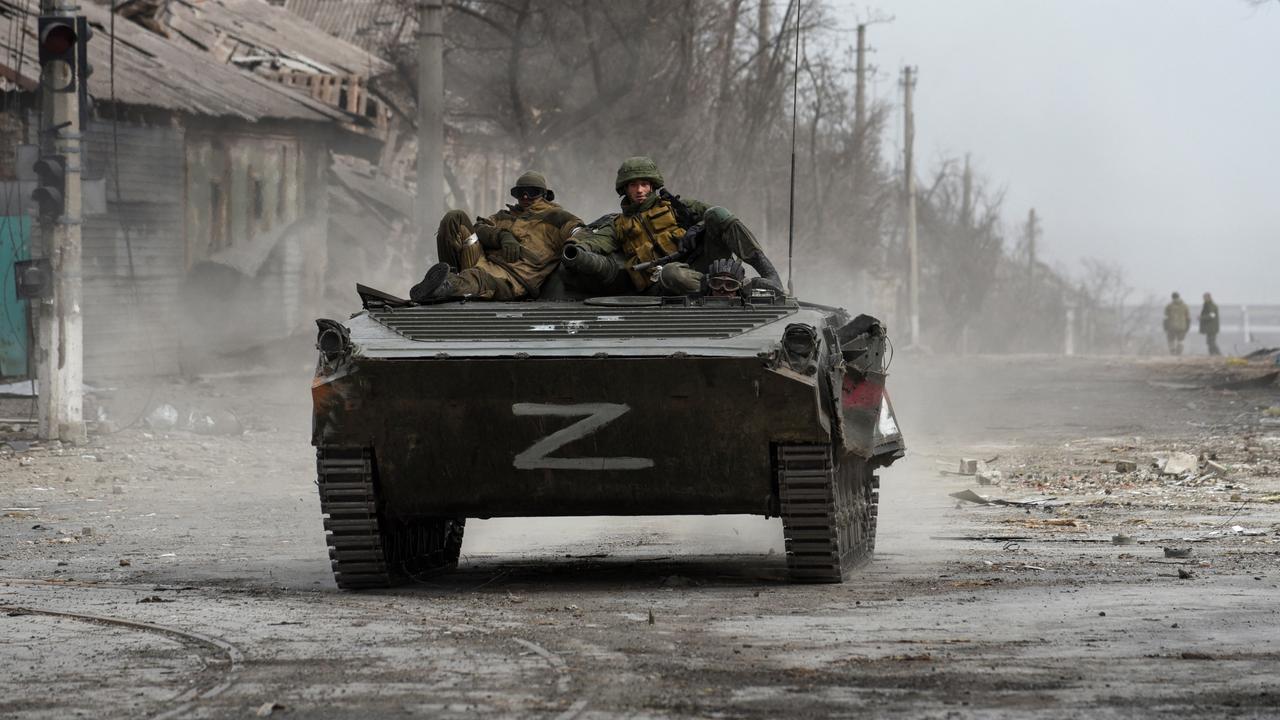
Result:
{"points": [[207, 176]]}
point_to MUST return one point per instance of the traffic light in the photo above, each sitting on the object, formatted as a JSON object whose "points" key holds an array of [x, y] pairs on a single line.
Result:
{"points": [[63, 52], [33, 279], [50, 192]]}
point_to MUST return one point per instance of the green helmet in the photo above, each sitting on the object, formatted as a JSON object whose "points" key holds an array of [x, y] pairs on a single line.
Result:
{"points": [[637, 168], [533, 179]]}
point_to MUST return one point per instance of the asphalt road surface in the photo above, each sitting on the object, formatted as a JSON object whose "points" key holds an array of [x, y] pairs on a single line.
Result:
{"points": [[170, 574]]}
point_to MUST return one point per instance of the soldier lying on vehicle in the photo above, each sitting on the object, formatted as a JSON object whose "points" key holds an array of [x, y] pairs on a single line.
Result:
{"points": [[506, 256], [659, 242]]}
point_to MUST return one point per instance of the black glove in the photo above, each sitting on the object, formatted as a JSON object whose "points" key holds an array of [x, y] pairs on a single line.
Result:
{"points": [[488, 235], [691, 239], [511, 250]]}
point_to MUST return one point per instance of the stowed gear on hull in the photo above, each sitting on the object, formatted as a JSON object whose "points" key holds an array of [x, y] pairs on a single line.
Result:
{"points": [[426, 415]]}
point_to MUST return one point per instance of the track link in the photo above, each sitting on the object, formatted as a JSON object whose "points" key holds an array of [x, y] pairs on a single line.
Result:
{"points": [[349, 501], [828, 512], [366, 550]]}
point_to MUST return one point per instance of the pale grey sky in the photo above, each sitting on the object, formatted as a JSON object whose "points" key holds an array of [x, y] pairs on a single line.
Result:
{"points": [[1145, 132]]}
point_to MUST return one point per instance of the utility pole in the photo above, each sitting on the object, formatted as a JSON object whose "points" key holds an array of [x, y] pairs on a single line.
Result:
{"points": [[60, 331], [1033, 229], [909, 78], [430, 204], [763, 18], [860, 107]]}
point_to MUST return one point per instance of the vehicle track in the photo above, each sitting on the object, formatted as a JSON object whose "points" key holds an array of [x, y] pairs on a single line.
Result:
{"points": [[230, 659]]}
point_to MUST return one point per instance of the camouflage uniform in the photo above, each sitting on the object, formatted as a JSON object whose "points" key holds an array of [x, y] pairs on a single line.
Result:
{"points": [[1177, 321], [1209, 324], [654, 229], [507, 255]]}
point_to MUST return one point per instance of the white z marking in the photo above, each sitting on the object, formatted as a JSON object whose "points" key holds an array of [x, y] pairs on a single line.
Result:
{"points": [[597, 416]]}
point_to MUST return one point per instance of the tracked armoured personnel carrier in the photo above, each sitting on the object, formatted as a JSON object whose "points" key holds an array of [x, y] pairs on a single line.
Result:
{"points": [[425, 415]]}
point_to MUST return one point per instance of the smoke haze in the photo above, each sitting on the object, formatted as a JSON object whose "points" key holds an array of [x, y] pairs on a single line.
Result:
{"points": [[1142, 132]]}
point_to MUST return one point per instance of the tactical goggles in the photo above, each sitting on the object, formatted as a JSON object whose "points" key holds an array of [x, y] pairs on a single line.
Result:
{"points": [[724, 284], [527, 193]]}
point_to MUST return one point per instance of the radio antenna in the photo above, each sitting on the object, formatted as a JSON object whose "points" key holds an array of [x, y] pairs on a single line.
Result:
{"points": [[791, 204]]}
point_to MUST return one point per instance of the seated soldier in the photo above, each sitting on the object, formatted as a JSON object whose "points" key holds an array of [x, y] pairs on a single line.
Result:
{"points": [[505, 256], [664, 244]]}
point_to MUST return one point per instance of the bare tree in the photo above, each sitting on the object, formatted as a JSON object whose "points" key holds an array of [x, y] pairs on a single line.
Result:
{"points": [[705, 86]]}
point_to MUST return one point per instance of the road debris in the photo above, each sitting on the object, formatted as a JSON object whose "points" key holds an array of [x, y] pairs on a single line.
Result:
{"points": [[1261, 353], [1178, 463], [218, 422], [1121, 539], [973, 497], [1171, 552], [1126, 466], [266, 709], [1262, 381], [1217, 468], [163, 417]]}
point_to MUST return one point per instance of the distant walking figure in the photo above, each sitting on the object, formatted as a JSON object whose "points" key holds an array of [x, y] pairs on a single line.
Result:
{"points": [[1177, 321], [1209, 324]]}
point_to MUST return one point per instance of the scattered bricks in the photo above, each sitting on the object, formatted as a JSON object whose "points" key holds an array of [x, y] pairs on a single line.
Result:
{"points": [[1126, 466], [1217, 468], [969, 466]]}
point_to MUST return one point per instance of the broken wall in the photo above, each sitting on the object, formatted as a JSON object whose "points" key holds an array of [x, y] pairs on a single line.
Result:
{"points": [[256, 242]]}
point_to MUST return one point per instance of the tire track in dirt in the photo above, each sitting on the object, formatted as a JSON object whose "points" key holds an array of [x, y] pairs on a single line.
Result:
{"points": [[229, 661]]}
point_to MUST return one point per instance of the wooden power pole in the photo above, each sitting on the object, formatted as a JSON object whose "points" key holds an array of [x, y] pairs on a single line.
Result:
{"points": [[60, 330], [430, 201], [860, 104], [1033, 230], [909, 77]]}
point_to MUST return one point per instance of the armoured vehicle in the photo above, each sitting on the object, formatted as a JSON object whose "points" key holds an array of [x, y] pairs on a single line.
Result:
{"points": [[425, 415]]}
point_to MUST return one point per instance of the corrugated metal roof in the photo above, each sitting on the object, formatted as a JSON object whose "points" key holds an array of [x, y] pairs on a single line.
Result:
{"points": [[250, 31], [372, 24], [153, 71]]}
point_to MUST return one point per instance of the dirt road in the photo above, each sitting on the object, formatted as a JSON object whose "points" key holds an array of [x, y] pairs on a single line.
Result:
{"points": [[170, 574]]}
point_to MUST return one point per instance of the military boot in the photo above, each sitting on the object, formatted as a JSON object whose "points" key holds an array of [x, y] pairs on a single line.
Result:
{"points": [[435, 284], [599, 268]]}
